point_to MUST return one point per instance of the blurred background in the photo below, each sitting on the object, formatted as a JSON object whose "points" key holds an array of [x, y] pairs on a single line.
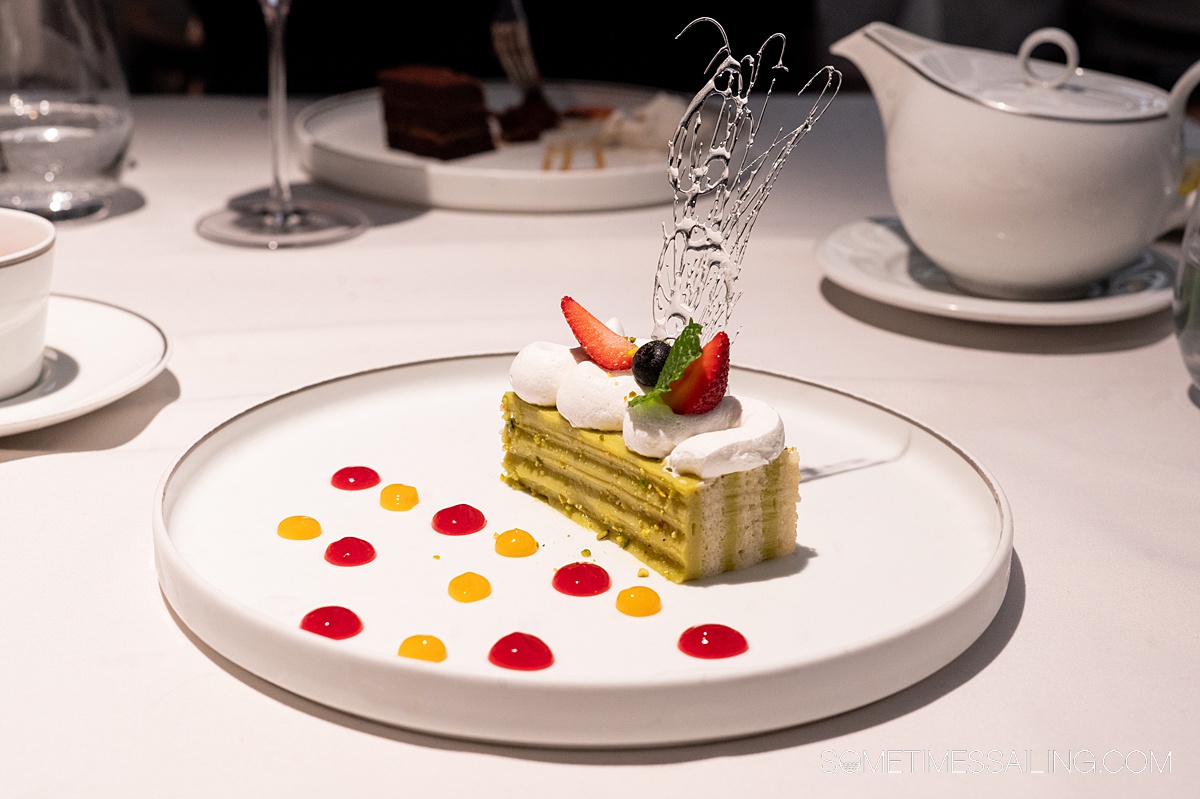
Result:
{"points": [[219, 46]]}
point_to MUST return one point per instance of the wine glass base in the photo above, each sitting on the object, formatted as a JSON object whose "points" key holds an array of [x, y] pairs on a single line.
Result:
{"points": [[262, 224]]}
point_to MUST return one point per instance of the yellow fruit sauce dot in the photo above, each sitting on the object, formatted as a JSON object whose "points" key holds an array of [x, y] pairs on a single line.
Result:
{"points": [[639, 601], [299, 528], [398, 496], [470, 587], [423, 647], [515, 543]]}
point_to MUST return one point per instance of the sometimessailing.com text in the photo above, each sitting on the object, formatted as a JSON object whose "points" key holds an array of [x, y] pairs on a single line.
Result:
{"points": [[995, 761]]}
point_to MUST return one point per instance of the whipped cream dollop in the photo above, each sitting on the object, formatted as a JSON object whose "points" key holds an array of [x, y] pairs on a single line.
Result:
{"points": [[654, 430], [649, 126], [539, 368], [755, 441], [594, 399], [738, 435]]}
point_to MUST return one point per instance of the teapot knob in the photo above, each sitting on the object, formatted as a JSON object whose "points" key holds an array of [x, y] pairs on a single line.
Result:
{"points": [[1056, 36]]}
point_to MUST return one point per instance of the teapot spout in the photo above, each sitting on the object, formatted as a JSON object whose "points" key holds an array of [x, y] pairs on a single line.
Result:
{"points": [[877, 49]]}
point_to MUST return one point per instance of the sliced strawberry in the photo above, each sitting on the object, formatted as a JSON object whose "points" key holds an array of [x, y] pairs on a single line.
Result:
{"points": [[703, 383], [608, 349]]}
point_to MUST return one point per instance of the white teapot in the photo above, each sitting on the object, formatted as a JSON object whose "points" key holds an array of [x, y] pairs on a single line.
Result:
{"points": [[1023, 179]]}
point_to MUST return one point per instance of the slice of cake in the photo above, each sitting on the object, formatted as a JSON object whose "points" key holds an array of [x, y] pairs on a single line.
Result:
{"points": [[527, 120], [434, 111], [690, 494], [682, 526]]}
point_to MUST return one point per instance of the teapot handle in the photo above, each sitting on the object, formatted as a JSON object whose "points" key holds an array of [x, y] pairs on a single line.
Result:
{"points": [[1056, 36]]}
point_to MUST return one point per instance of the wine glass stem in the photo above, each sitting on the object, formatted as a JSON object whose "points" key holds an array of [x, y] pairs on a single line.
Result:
{"points": [[275, 12]]}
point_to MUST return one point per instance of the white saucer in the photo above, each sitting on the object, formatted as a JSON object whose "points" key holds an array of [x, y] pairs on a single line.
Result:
{"points": [[95, 354], [875, 258]]}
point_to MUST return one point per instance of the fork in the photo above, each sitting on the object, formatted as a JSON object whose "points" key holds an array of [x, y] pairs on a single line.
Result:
{"points": [[510, 38]]}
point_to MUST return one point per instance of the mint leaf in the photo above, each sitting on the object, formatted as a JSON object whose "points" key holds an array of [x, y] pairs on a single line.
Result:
{"points": [[685, 350]]}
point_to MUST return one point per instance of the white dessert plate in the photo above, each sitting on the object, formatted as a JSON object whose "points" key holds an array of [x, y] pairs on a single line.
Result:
{"points": [[876, 259], [342, 143], [96, 353], [906, 544]]}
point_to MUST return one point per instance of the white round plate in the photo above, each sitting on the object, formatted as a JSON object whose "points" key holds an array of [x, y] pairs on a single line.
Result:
{"points": [[875, 258], [905, 550], [96, 353], [342, 143]]}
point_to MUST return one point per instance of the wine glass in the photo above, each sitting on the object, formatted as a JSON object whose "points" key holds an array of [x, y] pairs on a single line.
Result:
{"points": [[280, 220]]}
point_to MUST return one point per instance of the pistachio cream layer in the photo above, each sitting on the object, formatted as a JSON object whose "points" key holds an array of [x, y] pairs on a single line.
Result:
{"points": [[684, 527]]}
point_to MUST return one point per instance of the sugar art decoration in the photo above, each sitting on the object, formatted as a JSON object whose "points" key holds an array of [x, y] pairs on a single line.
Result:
{"points": [[721, 176]]}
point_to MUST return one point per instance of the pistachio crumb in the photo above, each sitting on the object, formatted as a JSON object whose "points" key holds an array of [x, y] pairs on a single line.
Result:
{"points": [[643, 573], [587, 553]]}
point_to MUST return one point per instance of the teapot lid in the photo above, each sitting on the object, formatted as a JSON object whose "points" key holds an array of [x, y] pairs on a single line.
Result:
{"points": [[1024, 85]]}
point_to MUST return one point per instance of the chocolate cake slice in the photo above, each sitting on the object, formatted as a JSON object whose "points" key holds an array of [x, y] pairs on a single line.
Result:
{"points": [[434, 111], [529, 119]]}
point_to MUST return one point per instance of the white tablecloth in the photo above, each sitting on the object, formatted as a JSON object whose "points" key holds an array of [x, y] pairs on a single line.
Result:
{"points": [[1090, 431]]}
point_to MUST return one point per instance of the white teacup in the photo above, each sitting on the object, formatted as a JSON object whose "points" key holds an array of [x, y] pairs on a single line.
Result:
{"points": [[26, 255]]}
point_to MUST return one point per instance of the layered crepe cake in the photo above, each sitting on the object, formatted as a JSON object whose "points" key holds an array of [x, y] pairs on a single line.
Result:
{"points": [[709, 492], [682, 526]]}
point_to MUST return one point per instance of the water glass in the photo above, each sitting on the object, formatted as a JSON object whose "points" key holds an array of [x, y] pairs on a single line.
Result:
{"points": [[65, 120]]}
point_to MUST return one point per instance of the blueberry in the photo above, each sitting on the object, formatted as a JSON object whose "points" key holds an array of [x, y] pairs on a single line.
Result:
{"points": [[648, 362]]}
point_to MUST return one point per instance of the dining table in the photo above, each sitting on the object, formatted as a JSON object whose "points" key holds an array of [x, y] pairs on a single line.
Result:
{"points": [[1083, 683]]}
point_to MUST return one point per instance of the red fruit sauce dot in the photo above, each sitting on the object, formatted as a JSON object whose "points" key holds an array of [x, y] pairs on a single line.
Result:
{"points": [[355, 478], [581, 579], [712, 641], [350, 551], [332, 621], [458, 520], [522, 652]]}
